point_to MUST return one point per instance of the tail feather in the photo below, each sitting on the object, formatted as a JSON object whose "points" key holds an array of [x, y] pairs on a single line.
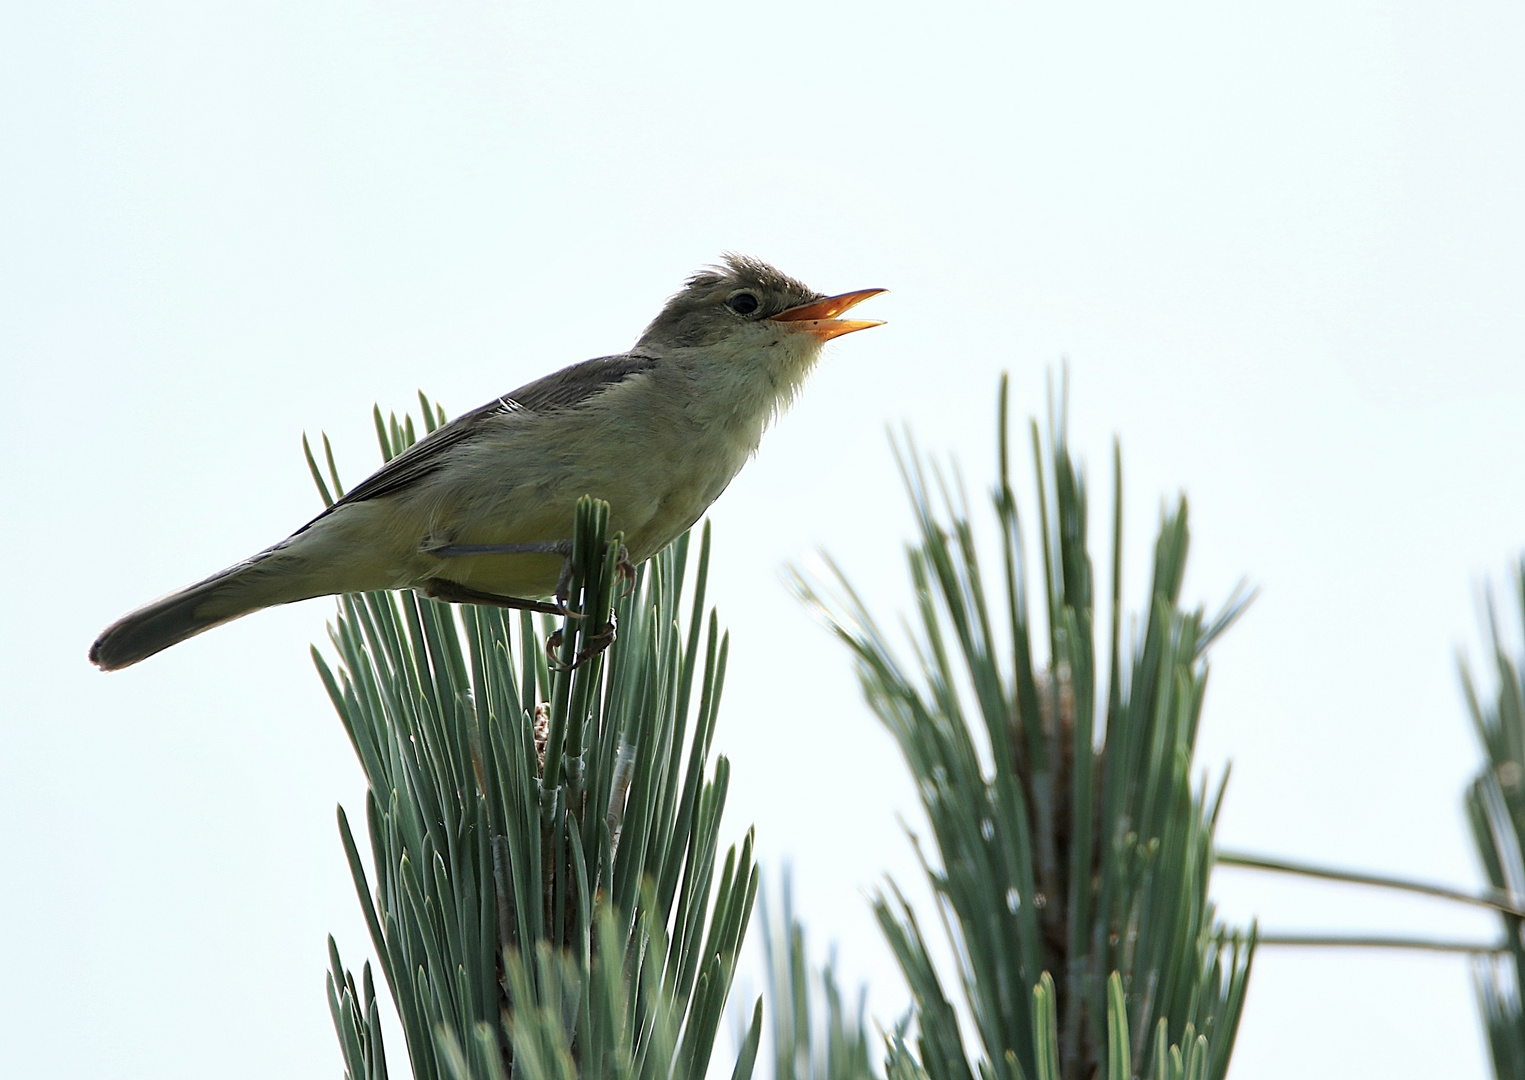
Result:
{"points": [[221, 598], [336, 554]]}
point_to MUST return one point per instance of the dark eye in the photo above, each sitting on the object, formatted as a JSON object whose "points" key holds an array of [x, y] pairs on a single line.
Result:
{"points": [[742, 303]]}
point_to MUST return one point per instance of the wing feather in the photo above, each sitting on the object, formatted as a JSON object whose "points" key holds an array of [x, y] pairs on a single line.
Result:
{"points": [[564, 389]]}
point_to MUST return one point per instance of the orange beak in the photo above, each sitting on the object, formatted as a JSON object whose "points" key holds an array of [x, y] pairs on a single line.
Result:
{"points": [[819, 317]]}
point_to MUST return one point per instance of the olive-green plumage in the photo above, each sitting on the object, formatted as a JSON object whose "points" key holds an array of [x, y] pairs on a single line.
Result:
{"points": [[658, 432]]}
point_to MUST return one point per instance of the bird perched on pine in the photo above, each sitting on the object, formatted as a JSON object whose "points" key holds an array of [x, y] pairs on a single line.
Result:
{"points": [[480, 511]]}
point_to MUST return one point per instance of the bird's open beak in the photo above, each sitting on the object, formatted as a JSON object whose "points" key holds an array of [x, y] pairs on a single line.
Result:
{"points": [[819, 317]]}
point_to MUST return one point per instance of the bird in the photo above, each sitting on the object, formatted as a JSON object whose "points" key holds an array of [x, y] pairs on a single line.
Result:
{"points": [[480, 511]]}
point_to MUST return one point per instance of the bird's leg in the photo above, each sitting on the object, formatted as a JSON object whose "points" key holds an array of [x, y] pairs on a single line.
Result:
{"points": [[546, 547], [454, 593], [593, 644], [461, 594], [538, 547]]}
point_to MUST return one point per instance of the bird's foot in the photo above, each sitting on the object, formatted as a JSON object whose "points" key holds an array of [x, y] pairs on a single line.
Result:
{"points": [[626, 571], [592, 645]]}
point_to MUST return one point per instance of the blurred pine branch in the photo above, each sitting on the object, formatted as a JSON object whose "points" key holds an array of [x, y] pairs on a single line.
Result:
{"points": [[815, 1035], [1496, 810], [1072, 863]]}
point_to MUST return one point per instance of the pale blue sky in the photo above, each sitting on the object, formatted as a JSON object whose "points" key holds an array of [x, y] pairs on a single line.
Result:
{"points": [[1281, 246]]}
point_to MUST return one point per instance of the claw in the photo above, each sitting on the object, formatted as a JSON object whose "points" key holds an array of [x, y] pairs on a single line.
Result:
{"points": [[593, 644], [626, 570]]}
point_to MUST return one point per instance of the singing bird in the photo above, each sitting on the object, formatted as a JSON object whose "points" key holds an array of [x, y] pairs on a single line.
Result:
{"points": [[480, 511]]}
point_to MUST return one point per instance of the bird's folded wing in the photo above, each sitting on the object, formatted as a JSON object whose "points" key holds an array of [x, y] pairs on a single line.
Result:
{"points": [[565, 389], [571, 386]]}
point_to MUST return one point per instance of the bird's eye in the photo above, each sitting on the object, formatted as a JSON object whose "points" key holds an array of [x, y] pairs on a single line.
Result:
{"points": [[742, 303]]}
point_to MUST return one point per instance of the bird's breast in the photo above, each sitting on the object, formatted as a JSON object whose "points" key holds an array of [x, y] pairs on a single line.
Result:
{"points": [[659, 468], [684, 473]]}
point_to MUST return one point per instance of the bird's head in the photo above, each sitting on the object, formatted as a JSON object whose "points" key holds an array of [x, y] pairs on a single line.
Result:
{"points": [[747, 305]]}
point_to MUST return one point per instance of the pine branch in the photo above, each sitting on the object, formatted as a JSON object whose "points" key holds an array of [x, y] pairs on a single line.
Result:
{"points": [[528, 823], [1073, 854]]}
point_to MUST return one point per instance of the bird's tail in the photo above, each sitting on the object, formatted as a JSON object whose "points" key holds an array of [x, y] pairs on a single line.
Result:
{"points": [[335, 553], [221, 598]]}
